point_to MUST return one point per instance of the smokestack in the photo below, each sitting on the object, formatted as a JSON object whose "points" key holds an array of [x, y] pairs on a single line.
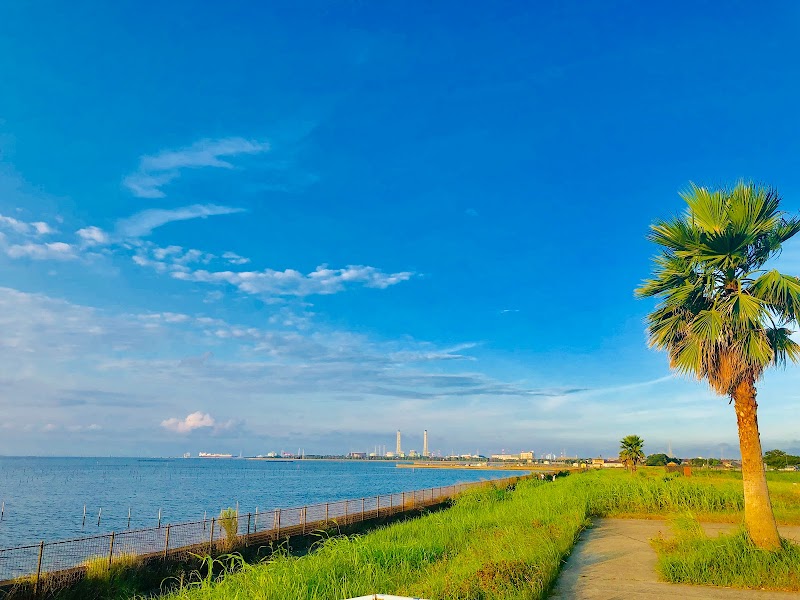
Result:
{"points": [[425, 452], [399, 449]]}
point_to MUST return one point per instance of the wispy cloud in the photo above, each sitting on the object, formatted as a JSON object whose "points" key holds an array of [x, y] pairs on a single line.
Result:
{"points": [[157, 170], [73, 359], [22, 239], [23, 227], [294, 283], [235, 259], [143, 223], [50, 251], [181, 263]]}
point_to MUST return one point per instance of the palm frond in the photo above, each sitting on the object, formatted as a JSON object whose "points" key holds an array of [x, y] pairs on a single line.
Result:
{"points": [[784, 348], [780, 292], [718, 308]]}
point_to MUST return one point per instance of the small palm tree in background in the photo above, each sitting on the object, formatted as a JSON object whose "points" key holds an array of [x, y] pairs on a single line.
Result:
{"points": [[630, 451], [723, 317]]}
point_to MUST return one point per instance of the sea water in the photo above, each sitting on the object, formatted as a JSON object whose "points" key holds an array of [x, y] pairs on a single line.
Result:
{"points": [[45, 497]]}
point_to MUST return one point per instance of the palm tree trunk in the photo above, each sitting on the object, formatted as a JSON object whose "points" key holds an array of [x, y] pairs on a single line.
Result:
{"points": [[758, 515]]}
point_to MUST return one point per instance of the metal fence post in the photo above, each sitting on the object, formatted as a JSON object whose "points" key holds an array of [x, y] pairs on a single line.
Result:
{"points": [[362, 509], [404, 500], [247, 539], [377, 506], [211, 537], [346, 502], [111, 550], [38, 569], [166, 541], [303, 519], [278, 521], [326, 514]]}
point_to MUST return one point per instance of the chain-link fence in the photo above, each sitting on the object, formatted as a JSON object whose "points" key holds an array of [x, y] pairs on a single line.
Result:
{"points": [[73, 558]]}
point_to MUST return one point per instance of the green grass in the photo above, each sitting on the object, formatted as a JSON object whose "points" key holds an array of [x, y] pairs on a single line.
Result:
{"points": [[727, 560], [492, 544]]}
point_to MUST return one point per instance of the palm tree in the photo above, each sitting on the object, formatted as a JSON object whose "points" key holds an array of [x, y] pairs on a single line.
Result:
{"points": [[630, 451], [722, 317]]}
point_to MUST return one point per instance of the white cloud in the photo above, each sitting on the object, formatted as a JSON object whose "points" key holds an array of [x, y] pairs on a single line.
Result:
{"points": [[93, 236], [155, 171], [78, 365], [142, 224], [14, 224], [52, 251], [294, 283], [24, 228], [196, 420], [235, 259], [177, 262]]}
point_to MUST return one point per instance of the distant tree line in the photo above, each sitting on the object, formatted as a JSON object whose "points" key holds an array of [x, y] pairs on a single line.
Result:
{"points": [[660, 460], [778, 459]]}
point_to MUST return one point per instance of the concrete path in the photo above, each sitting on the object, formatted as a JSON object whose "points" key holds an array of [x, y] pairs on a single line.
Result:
{"points": [[614, 560]]}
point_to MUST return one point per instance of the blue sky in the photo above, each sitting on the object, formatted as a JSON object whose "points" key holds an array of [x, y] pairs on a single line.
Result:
{"points": [[310, 224]]}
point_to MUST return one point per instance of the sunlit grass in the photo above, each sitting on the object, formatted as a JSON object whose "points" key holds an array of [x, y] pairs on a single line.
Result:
{"points": [[493, 543], [727, 560]]}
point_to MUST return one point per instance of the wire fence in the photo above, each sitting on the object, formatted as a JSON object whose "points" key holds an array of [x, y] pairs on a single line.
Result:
{"points": [[74, 557]]}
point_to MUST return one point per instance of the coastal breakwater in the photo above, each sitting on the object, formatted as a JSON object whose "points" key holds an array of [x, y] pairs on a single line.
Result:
{"points": [[26, 570]]}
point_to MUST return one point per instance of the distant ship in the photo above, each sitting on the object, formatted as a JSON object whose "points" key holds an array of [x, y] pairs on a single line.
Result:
{"points": [[213, 455], [187, 455]]}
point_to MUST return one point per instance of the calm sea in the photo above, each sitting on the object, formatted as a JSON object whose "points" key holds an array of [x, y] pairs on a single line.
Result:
{"points": [[44, 497]]}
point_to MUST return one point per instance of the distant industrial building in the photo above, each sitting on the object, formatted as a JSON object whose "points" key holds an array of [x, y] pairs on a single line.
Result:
{"points": [[425, 452], [505, 457], [522, 456]]}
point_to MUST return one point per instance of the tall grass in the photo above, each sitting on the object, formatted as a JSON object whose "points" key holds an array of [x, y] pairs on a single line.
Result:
{"points": [[619, 494], [727, 560], [492, 543], [229, 522]]}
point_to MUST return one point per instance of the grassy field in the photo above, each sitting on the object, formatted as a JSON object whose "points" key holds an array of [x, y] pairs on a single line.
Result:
{"points": [[727, 560], [503, 544], [491, 544]]}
